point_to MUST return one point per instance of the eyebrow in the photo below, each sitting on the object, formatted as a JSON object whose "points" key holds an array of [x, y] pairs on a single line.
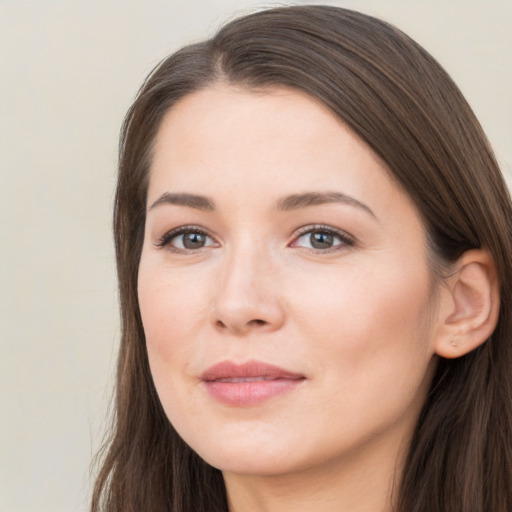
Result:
{"points": [[191, 200], [296, 201], [288, 203]]}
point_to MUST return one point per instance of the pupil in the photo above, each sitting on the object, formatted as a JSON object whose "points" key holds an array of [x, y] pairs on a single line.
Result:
{"points": [[320, 240], [193, 240]]}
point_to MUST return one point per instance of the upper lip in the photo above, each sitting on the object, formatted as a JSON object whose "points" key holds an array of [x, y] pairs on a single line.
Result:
{"points": [[250, 369]]}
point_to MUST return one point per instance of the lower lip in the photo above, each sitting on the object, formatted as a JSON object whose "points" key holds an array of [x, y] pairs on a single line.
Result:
{"points": [[249, 393]]}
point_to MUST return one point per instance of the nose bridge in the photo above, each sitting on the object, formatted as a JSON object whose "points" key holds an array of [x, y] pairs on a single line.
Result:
{"points": [[247, 294]]}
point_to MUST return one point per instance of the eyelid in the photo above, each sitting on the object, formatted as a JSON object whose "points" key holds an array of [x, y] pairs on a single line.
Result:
{"points": [[347, 239], [165, 240]]}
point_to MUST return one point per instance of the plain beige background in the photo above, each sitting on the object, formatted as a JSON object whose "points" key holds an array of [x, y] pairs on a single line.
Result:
{"points": [[68, 72]]}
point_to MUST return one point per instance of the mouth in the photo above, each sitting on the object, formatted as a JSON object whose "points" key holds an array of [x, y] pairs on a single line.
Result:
{"points": [[246, 379], [248, 384]]}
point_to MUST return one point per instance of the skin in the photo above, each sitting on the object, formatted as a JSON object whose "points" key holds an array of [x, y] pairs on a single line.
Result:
{"points": [[359, 320]]}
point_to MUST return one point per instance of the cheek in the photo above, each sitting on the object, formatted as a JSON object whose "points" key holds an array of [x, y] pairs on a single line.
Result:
{"points": [[170, 311], [370, 340], [171, 306], [370, 322]]}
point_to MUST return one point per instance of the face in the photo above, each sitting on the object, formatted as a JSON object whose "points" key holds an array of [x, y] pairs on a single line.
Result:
{"points": [[284, 286]]}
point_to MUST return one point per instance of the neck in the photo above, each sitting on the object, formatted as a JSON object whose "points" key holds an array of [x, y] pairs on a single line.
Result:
{"points": [[362, 483]]}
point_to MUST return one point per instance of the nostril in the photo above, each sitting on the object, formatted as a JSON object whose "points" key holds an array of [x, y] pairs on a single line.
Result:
{"points": [[241, 320], [256, 322], [220, 323]]}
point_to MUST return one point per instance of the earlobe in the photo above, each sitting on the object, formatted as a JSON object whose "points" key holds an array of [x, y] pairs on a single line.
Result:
{"points": [[469, 313]]}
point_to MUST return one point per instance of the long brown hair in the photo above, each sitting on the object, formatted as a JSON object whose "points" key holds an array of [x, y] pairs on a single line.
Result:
{"points": [[398, 99]]}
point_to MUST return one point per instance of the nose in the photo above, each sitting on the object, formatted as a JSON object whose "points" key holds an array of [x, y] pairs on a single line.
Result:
{"points": [[247, 297]]}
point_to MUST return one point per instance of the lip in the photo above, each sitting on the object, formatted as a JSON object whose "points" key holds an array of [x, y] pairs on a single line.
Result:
{"points": [[250, 383]]}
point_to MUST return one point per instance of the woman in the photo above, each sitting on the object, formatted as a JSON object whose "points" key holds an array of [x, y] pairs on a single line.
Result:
{"points": [[314, 252]]}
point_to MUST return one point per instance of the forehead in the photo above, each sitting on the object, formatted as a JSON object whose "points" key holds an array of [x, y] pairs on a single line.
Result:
{"points": [[273, 142]]}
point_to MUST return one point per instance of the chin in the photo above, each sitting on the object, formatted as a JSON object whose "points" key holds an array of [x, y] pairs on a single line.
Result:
{"points": [[253, 463], [248, 456]]}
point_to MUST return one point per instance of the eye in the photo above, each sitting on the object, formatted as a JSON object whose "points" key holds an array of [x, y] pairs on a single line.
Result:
{"points": [[186, 238], [322, 238]]}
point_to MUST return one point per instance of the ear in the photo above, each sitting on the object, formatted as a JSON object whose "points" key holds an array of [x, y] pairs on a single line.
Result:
{"points": [[469, 305]]}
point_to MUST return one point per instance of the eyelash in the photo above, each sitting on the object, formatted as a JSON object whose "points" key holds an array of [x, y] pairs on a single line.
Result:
{"points": [[165, 241], [345, 239]]}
